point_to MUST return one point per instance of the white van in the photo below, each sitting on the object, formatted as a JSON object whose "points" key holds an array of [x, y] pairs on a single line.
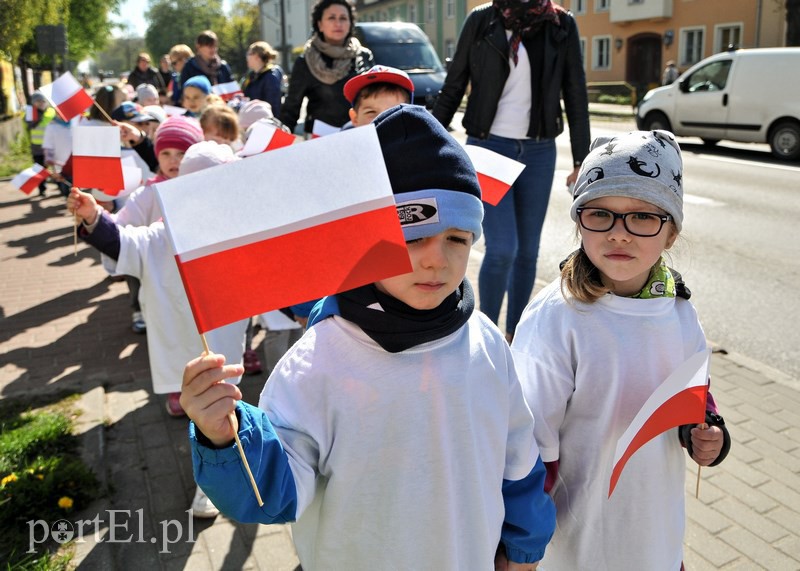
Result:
{"points": [[747, 95]]}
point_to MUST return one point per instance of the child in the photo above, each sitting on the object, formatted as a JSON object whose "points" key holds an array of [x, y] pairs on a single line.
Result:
{"points": [[145, 252], [43, 114], [594, 345], [57, 147], [394, 431], [221, 125], [377, 89], [195, 93]]}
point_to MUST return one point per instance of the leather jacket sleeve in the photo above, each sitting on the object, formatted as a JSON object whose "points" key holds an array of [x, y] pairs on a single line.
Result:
{"points": [[290, 110], [576, 100]]}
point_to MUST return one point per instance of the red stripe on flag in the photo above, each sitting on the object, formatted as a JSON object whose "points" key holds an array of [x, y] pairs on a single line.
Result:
{"points": [[492, 189], [32, 183], [104, 173], [279, 139], [296, 267], [75, 105], [685, 407]]}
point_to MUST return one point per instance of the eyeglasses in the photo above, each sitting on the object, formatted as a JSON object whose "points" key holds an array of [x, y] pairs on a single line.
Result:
{"points": [[642, 224]]}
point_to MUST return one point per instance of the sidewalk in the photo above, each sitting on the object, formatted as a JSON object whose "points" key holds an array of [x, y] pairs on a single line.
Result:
{"points": [[64, 327]]}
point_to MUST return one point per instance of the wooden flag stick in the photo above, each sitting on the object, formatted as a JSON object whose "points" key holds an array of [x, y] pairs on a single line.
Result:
{"points": [[232, 419], [701, 426], [75, 233]]}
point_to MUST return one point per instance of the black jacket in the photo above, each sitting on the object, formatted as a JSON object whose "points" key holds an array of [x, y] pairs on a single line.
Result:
{"points": [[136, 77], [325, 102], [481, 59]]}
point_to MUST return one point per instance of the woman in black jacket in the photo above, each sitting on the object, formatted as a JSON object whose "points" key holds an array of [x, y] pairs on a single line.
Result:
{"points": [[520, 59], [331, 57]]}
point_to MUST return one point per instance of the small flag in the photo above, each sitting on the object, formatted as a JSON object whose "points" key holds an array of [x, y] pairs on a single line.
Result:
{"points": [[30, 178], [96, 159], [31, 113], [227, 90], [132, 178], [680, 399], [173, 110], [67, 96], [496, 173], [297, 234], [321, 128], [265, 137]]}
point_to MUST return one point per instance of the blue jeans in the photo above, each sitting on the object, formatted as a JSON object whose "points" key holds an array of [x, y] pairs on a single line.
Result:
{"points": [[512, 228]]}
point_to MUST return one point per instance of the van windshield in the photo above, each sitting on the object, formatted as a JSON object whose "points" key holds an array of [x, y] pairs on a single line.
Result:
{"points": [[409, 57]]}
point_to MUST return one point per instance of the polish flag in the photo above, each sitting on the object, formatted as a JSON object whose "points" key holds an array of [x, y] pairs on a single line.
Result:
{"points": [[173, 110], [496, 173], [321, 128], [680, 399], [246, 243], [265, 137], [67, 96], [31, 113], [132, 179], [30, 178], [96, 161], [227, 90]]}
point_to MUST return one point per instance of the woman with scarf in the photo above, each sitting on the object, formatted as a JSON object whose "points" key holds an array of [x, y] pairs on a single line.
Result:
{"points": [[207, 61], [330, 58], [264, 77], [521, 58]]}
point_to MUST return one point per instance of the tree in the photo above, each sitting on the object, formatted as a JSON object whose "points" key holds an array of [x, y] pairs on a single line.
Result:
{"points": [[179, 21], [120, 55], [240, 30], [89, 26], [19, 18]]}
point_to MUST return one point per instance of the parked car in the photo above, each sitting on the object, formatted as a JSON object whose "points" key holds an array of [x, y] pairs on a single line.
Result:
{"points": [[405, 46], [747, 95]]}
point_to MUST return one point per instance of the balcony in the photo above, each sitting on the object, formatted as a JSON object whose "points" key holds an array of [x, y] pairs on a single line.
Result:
{"points": [[622, 11]]}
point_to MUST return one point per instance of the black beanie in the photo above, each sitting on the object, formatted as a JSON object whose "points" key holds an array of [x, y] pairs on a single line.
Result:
{"points": [[432, 177]]}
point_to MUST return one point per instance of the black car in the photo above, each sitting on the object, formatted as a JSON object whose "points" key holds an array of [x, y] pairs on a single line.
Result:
{"points": [[407, 47]]}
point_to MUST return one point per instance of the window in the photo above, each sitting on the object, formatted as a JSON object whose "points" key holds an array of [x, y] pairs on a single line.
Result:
{"points": [[727, 35], [691, 49], [429, 11], [579, 6], [583, 51], [601, 53], [711, 77], [450, 8], [412, 12], [449, 48], [601, 5]]}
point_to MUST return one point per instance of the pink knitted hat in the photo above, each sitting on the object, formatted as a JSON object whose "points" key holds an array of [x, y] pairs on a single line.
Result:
{"points": [[178, 133]]}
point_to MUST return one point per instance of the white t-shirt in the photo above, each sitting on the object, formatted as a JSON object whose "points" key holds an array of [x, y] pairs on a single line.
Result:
{"points": [[513, 116], [172, 337], [586, 370], [399, 458]]}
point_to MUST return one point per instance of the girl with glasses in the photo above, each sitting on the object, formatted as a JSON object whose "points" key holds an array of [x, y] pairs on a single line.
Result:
{"points": [[594, 345]]}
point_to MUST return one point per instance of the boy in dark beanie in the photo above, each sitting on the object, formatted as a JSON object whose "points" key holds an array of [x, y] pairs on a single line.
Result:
{"points": [[394, 433]]}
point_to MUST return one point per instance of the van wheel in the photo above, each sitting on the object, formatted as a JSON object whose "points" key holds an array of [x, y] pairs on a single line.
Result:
{"points": [[656, 120], [784, 141], [710, 142]]}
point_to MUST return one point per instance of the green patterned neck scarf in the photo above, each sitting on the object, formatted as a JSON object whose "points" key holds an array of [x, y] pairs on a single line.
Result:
{"points": [[659, 284]]}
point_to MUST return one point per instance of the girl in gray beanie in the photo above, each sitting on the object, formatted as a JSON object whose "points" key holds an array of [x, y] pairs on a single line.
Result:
{"points": [[594, 345]]}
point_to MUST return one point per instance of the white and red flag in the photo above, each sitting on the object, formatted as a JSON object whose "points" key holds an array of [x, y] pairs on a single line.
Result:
{"points": [[67, 96], [265, 137], [30, 178], [321, 128], [96, 159], [496, 173], [680, 399], [227, 91], [247, 243], [173, 110], [132, 179], [31, 113]]}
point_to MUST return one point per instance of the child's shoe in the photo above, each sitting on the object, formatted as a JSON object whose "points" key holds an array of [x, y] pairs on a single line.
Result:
{"points": [[251, 362], [202, 506], [137, 323], [174, 407]]}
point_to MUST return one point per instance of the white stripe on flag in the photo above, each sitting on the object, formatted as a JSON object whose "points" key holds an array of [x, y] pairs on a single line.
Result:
{"points": [[494, 164], [226, 88], [251, 204], [321, 128], [96, 141], [61, 89]]}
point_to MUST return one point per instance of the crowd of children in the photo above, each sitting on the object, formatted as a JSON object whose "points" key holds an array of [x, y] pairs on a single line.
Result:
{"points": [[398, 428]]}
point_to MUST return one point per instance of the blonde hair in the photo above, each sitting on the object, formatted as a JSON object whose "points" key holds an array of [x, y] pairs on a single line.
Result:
{"points": [[222, 118], [263, 50], [181, 51]]}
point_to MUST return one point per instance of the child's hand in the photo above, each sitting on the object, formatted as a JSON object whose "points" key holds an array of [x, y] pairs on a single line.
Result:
{"points": [[706, 443], [128, 134], [208, 400], [501, 563], [83, 205]]}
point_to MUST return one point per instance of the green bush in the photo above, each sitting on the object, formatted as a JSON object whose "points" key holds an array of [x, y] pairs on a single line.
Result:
{"points": [[18, 157], [42, 477], [615, 99]]}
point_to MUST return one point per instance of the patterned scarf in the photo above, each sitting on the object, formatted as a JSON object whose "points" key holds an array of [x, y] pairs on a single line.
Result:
{"points": [[317, 51], [525, 18], [209, 68], [661, 283]]}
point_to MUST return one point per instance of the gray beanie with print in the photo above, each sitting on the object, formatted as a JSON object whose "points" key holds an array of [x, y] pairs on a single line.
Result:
{"points": [[645, 165]]}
